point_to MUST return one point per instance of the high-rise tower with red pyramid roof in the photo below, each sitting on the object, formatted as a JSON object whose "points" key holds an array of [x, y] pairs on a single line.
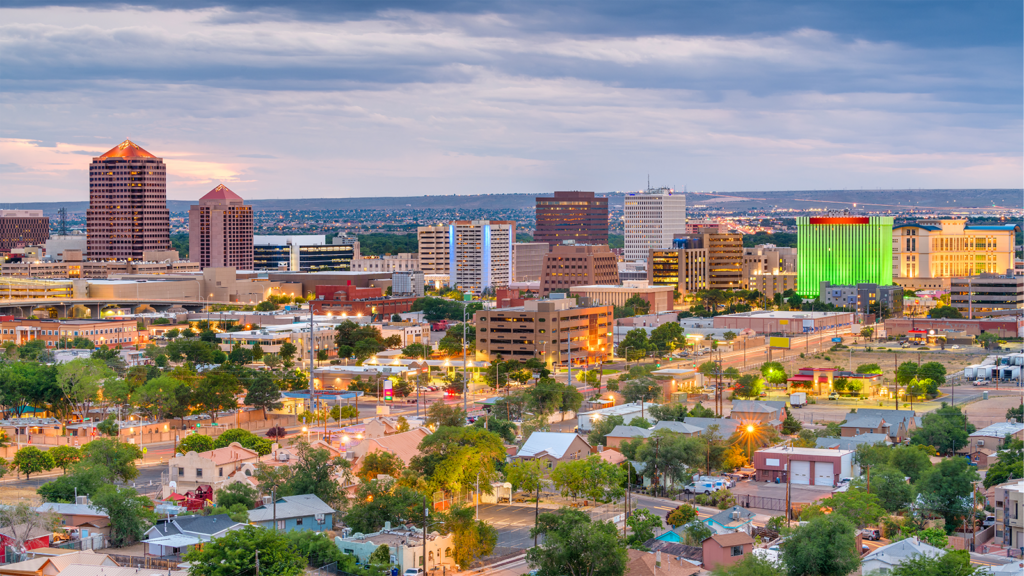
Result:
{"points": [[220, 230], [127, 204]]}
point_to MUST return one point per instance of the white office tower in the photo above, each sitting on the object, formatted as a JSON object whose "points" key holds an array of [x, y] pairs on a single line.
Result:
{"points": [[475, 255], [651, 220]]}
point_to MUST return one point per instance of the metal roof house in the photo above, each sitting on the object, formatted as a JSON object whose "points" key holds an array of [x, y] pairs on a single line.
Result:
{"points": [[304, 512]]}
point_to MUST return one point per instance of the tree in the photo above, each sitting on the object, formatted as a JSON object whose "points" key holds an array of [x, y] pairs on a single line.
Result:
{"points": [[108, 427], [947, 429], [524, 475], [81, 481], [912, 461], [216, 393], [681, 516], [471, 539], [263, 393], [945, 312], [456, 458], [634, 345], [600, 429], [857, 506], [1009, 465], [31, 460], [380, 501], [349, 412], [116, 458], [237, 493], [79, 380], [158, 397], [235, 552], [381, 556], [507, 430], [591, 478], [377, 462], [417, 350], [266, 306], [987, 340], [287, 352], [906, 372], [315, 472], [748, 386], [451, 344], [245, 438], [791, 425], [643, 389], [933, 371], [1016, 413], [671, 412], [869, 369], [952, 563], [890, 486], [699, 411], [575, 545], [696, 532], [946, 490], [545, 397], [20, 522], [867, 331], [669, 336], [319, 550], [440, 414], [130, 514], [195, 442], [640, 422], [826, 546], [571, 400], [642, 522], [774, 373], [64, 456]]}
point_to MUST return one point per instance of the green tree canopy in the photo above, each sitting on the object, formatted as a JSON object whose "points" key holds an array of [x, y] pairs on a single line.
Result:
{"points": [[235, 553], [947, 429], [31, 460], [454, 458], [575, 545], [195, 442], [826, 546], [130, 514], [946, 489], [377, 462], [380, 501]]}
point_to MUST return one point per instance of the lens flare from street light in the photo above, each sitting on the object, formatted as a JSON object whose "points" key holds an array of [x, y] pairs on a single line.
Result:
{"points": [[750, 429]]}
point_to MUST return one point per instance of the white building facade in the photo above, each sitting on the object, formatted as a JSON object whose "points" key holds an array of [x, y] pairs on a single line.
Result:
{"points": [[476, 255], [651, 219]]}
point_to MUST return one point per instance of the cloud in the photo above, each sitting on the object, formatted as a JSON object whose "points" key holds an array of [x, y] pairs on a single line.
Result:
{"points": [[427, 101]]}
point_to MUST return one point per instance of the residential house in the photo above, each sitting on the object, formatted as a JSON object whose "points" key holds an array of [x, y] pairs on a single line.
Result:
{"points": [[693, 555], [216, 468], [81, 517], [406, 548], [883, 559], [304, 512], [982, 457], [761, 413], [852, 442], [652, 564], [1009, 507], [554, 448], [994, 436], [735, 519], [54, 565], [175, 536], [898, 424], [622, 432], [80, 570], [405, 445], [726, 426], [726, 549]]}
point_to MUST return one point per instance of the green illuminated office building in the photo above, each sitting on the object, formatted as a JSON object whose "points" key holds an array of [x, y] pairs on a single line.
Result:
{"points": [[844, 250]]}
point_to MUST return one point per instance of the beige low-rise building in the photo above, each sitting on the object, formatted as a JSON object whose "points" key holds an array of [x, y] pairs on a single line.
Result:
{"points": [[406, 547], [216, 468], [1009, 500], [554, 448], [994, 436], [771, 284], [661, 298]]}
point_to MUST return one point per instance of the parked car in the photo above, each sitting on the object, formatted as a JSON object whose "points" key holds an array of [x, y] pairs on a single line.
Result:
{"points": [[980, 382], [871, 534], [989, 521], [413, 572], [702, 487], [833, 396], [955, 347]]}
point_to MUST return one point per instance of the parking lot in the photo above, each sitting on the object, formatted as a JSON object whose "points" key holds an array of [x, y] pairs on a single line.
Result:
{"points": [[798, 493]]}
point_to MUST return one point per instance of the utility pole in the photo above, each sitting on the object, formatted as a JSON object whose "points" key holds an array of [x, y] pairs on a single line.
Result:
{"points": [[788, 503], [465, 378], [257, 562], [536, 513], [424, 534], [867, 472], [312, 405]]}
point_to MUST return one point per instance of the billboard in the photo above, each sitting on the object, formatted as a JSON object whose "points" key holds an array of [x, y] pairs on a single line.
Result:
{"points": [[779, 342]]}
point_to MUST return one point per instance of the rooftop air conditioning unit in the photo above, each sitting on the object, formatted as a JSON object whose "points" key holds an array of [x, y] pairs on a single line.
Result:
{"points": [[283, 456], [266, 501], [981, 442], [735, 514]]}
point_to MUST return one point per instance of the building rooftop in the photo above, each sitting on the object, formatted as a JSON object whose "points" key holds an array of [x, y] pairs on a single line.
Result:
{"points": [[788, 315], [620, 410], [623, 431], [405, 445], [552, 443], [291, 507], [735, 538], [221, 192], [999, 429], [128, 150], [804, 451], [896, 552]]}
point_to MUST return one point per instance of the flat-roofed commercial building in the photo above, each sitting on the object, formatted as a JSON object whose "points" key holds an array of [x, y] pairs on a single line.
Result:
{"points": [[572, 265], [785, 322], [529, 260], [20, 228], [949, 248], [13, 288], [575, 216], [308, 253], [476, 255], [659, 297], [771, 284], [767, 259], [651, 220], [844, 249], [988, 295], [74, 269], [708, 261], [112, 333], [271, 338], [553, 330]]}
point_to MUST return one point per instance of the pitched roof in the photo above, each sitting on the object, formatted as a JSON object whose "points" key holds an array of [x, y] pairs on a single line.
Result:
{"points": [[999, 429], [405, 445], [553, 443], [895, 553], [724, 518], [694, 554], [291, 507], [891, 416], [762, 406], [852, 442], [612, 456], [642, 563], [126, 149], [76, 509], [863, 421], [624, 431], [680, 427], [231, 453], [206, 525], [726, 426], [221, 192], [62, 561], [733, 539], [80, 570]]}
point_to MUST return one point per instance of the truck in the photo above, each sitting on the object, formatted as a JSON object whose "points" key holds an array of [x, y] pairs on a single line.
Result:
{"points": [[703, 487], [439, 326], [798, 399]]}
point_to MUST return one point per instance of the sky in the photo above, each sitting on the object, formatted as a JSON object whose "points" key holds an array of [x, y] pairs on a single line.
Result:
{"points": [[412, 98]]}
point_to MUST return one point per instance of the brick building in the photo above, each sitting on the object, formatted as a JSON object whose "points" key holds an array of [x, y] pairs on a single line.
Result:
{"points": [[113, 333], [220, 230], [352, 301], [808, 466], [567, 266], [553, 330]]}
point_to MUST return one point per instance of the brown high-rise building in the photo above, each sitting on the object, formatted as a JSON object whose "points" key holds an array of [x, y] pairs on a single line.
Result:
{"points": [[576, 216], [20, 228], [220, 230], [127, 204], [568, 266]]}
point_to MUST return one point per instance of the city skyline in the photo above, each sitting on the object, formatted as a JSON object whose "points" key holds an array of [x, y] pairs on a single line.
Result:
{"points": [[441, 99]]}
